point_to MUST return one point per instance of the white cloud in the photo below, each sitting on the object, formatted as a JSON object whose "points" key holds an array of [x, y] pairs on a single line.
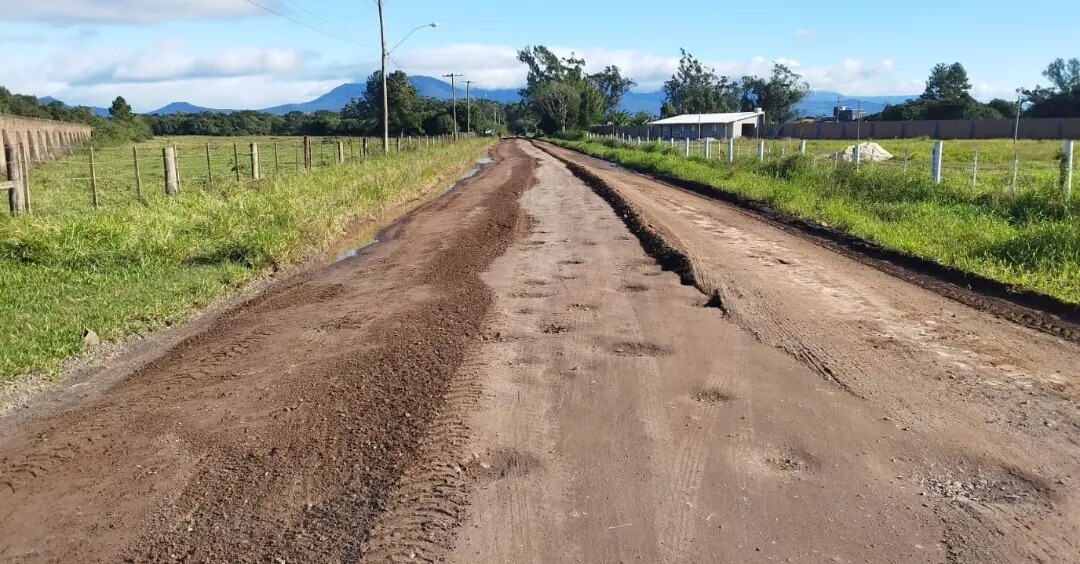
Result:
{"points": [[802, 33], [170, 63], [126, 11]]}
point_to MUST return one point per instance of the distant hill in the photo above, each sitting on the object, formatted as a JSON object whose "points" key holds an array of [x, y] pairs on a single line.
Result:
{"points": [[634, 102], [186, 108], [102, 112], [821, 103], [427, 86]]}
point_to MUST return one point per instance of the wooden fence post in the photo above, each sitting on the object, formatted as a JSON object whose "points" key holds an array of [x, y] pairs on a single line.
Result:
{"points": [[209, 172], [138, 174], [363, 148], [93, 179], [341, 152], [399, 144], [307, 153], [168, 157], [277, 164], [255, 173], [17, 191], [176, 168], [236, 161]]}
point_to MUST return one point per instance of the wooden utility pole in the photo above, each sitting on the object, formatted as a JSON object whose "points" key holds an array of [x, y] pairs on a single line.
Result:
{"points": [[385, 97], [453, 96], [468, 107]]}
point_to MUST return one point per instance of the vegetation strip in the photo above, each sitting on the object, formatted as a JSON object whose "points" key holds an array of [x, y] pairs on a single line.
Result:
{"points": [[133, 268], [1038, 311]]}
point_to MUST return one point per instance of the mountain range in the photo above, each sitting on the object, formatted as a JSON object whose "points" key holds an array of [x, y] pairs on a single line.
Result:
{"points": [[818, 103], [102, 112]]}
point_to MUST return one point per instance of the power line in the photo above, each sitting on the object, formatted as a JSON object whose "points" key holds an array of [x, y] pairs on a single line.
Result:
{"points": [[332, 26], [311, 27]]}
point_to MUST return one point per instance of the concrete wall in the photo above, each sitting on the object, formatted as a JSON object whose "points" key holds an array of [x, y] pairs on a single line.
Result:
{"points": [[1035, 128], [39, 139]]}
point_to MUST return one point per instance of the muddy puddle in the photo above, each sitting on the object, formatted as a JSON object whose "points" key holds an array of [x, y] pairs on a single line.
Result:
{"points": [[366, 234]]}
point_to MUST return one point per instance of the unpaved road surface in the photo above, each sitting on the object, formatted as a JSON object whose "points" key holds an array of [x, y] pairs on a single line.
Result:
{"points": [[510, 377]]}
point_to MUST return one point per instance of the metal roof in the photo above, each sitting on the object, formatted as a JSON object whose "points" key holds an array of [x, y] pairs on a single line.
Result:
{"points": [[694, 119]]}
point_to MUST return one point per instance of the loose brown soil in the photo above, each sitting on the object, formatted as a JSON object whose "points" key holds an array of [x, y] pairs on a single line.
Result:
{"points": [[282, 429], [555, 364]]}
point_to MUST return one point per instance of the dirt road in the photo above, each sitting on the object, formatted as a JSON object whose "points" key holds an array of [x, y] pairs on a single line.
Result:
{"points": [[510, 377]]}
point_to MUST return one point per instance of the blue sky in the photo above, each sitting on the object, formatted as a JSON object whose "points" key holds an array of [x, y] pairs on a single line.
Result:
{"points": [[233, 54]]}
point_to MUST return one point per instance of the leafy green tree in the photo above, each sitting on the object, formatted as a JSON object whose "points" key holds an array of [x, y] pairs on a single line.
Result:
{"points": [[562, 96], [121, 110], [403, 100], [1062, 98], [777, 95], [1064, 75], [1006, 108], [558, 103], [641, 118], [695, 89], [613, 85], [947, 83]]}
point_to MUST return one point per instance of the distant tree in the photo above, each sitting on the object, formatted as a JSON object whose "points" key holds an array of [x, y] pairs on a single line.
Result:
{"points": [[558, 103], [619, 117], [947, 96], [1006, 108], [947, 83], [1064, 75], [777, 95], [562, 96], [1062, 98], [403, 99], [696, 89], [120, 110], [641, 118], [521, 119], [613, 85]]}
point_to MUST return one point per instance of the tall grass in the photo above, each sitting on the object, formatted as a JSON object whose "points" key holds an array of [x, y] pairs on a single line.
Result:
{"points": [[132, 266], [1030, 239]]}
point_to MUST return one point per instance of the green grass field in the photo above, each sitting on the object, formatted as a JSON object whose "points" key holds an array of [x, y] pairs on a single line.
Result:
{"points": [[1030, 239], [1038, 159], [131, 265]]}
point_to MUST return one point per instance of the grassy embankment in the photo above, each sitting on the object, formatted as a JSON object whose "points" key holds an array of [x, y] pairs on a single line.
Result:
{"points": [[130, 267], [1030, 239]]}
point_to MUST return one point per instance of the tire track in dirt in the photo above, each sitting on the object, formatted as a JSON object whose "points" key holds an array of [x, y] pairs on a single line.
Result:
{"points": [[277, 433], [978, 386]]}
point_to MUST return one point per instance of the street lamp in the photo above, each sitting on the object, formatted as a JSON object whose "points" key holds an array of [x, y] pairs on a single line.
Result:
{"points": [[385, 56]]}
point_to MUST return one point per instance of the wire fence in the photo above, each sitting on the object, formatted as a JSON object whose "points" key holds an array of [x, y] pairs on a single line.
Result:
{"points": [[89, 177], [986, 165]]}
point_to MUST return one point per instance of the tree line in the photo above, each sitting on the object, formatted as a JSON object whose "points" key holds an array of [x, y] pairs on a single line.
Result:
{"points": [[121, 125], [948, 96], [562, 96]]}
